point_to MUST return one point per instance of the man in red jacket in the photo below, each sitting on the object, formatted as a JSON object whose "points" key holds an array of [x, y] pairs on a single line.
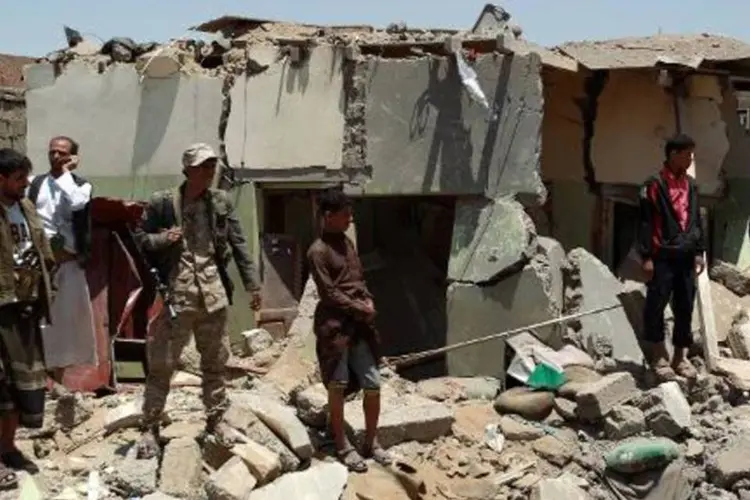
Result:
{"points": [[671, 244]]}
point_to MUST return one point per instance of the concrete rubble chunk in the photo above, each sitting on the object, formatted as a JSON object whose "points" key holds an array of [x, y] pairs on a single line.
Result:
{"points": [[136, 476], [730, 465], [233, 481], [739, 335], [590, 285], [531, 405], [490, 237], [554, 450], [325, 481], [623, 422], [407, 418], [158, 496], [519, 300], [514, 430], [731, 277], [666, 409], [120, 417], [557, 489], [245, 421], [312, 405], [256, 340], [264, 464], [282, 420], [181, 467], [599, 398]]}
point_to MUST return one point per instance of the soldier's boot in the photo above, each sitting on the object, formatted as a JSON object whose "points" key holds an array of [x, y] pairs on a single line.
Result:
{"points": [[148, 444]]}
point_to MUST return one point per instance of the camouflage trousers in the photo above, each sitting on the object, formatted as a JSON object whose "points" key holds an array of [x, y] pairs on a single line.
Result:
{"points": [[164, 347]]}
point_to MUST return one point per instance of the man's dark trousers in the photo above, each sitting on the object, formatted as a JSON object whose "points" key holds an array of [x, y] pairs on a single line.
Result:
{"points": [[674, 277]]}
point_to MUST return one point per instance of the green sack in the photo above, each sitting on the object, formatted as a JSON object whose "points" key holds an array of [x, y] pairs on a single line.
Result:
{"points": [[546, 377], [642, 454]]}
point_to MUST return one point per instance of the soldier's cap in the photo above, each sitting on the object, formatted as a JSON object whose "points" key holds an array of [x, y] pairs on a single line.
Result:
{"points": [[198, 153]]}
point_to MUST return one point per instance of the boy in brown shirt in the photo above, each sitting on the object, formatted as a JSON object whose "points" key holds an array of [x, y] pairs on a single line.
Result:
{"points": [[346, 339]]}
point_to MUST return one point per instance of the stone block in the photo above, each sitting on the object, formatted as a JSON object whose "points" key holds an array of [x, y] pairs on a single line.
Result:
{"points": [[532, 405], [599, 398], [244, 420], [667, 411], [490, 237], [518, 300], [515, 430], [324, 481], [136, 476], [554, 450], [557, 489], [739, 336], [282, 420], [730, 465], [181, 468], [120, 417], [312, 405], [590, 285], [256, 340], [159, 496], [624, 421], [232, 482], [731, 277], [264, 464], [408, 418]]}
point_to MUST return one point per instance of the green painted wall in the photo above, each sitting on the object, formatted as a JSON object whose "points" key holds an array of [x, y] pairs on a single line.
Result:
{"points": [[141, 187], [731, 217]]}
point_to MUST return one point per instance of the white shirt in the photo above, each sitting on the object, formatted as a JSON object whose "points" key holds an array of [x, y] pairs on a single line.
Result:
{"points": [[19, 230], [56, 202]]}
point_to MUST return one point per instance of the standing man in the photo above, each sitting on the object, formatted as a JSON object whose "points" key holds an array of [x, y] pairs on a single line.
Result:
{"points": [[25, 260], [347, 342], [62, 200], [671, 245], [189, 234]]}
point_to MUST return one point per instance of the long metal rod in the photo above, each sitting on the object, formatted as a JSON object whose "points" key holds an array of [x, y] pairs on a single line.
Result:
{"points": [[409, 359]]}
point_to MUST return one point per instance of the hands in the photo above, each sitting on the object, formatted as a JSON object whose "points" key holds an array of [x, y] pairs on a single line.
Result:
{"points": [[700, 265], [369, 310], [255, 300], [70, 164], [174, 234]]}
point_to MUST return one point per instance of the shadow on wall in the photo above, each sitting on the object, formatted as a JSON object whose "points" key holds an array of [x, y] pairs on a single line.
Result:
{"points": [[451, 149], [295, 77], [158, 96]]}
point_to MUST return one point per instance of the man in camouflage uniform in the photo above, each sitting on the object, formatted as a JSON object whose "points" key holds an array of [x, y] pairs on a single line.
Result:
{"points": [[188, 234]]}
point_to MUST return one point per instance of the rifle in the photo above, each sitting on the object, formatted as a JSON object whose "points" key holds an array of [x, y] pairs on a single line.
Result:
{"points": [[163, 290]]}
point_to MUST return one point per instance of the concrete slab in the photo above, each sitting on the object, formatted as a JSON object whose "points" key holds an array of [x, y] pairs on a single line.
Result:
{"points": [[424, 134], [233, 481], [286, 116], [476, 311], [599, 398], [324, 481], [489, 238], [406, 418], [591, 285], [667, 411], [181, 467], [145, 125]]}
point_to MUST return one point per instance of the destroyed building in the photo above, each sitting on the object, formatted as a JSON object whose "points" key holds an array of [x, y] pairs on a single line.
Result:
{"points": [[452, 196], [12, 105]]}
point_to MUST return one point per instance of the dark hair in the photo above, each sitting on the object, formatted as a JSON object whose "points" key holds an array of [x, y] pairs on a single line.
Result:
{"points": [[12, 161], [332, 200], [677, 144], [73, 144]]}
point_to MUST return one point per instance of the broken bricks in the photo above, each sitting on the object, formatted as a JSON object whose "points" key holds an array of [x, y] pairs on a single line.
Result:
{"points": [[598, 398]]}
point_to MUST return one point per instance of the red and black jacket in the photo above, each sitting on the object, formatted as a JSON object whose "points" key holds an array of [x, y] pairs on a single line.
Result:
{"points": [[659, 232]]}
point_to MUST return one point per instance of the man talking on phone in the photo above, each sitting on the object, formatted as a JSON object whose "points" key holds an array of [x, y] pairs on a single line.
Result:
{"points": [[62, 200]]}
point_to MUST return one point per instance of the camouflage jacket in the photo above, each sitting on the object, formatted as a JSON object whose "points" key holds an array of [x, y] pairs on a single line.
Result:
{"points": [[164, 211], [42, 247]]}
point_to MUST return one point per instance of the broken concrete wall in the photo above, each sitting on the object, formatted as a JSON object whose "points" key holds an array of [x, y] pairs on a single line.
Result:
{"points": [[424, 134], [12, 119], [732, 214], [289, 115], [127, 127]]}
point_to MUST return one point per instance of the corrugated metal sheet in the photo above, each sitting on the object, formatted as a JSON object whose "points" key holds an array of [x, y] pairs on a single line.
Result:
{"points": [[647, 52]]}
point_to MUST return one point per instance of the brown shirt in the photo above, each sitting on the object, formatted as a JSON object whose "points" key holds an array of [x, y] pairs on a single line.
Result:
{"points": [[338, 274], [197, 282]]}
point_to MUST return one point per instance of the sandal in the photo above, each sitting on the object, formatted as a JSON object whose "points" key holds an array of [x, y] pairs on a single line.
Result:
{"points": [[148, 448], [379, 455], [8, 478], [352, 460], [18, 461]]}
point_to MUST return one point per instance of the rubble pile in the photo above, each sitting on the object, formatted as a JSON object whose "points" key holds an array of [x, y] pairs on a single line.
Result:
{"points": [[602, 430]]}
